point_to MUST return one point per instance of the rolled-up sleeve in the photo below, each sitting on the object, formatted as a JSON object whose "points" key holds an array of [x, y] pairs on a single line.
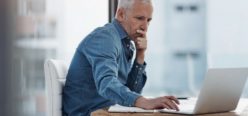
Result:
{"points": [[102, 53], [137, 77]]}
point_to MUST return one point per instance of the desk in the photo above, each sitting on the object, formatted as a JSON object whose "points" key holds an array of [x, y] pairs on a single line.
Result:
{"points": [[241, 110]]}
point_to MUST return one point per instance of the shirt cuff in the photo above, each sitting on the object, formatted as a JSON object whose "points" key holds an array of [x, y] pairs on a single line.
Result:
{"points": [[132, 99], [140, 67]]}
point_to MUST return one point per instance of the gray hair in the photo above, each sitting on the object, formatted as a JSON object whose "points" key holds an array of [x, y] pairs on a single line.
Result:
{"points": [[127, 4]]}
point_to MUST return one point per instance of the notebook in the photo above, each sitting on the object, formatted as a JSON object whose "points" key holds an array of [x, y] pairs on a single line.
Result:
{"points": [[220, 92]]}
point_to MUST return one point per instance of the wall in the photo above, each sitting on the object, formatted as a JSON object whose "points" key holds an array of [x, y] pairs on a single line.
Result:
{"points": [[227, 33]]}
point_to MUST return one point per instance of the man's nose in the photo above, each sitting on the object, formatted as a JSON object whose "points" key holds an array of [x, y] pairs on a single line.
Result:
{"points": [[144, 26]]}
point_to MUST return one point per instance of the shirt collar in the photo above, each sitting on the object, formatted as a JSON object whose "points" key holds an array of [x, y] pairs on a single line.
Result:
{"points": [[123, 34]]}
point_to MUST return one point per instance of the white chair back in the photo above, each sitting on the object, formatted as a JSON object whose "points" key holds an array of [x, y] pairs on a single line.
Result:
{"points": [[55, 75]]}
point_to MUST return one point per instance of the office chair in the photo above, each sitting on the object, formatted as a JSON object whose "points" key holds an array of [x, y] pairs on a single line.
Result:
{"points": [[55, 75]]}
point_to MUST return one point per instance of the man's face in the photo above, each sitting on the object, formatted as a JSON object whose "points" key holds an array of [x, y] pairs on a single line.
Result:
{"points": [[137, 18]]}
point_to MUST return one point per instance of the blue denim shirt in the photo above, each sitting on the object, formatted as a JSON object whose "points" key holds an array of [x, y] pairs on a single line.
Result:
{"points": [[101, 74]]}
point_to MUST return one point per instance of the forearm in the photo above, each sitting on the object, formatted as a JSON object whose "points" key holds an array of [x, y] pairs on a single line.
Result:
{"points": [[140, 56], [137, 77]]}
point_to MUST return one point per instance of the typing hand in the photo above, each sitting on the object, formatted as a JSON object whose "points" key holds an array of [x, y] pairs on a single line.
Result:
{"points": [[168, 102]]}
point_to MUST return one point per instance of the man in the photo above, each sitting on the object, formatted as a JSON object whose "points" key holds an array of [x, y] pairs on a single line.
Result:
{"points": [[102, 72]]}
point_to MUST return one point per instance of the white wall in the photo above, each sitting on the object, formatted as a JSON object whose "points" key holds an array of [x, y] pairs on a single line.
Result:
{"points": [[227, 33], [156, 50], [80, 18], [172, 38]]}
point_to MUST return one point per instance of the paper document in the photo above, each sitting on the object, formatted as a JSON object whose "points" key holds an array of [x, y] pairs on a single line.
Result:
{"points": [[119, 108]]}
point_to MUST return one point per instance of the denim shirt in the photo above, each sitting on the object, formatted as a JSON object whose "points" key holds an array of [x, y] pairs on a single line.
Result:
{"points": [[100, 73]]}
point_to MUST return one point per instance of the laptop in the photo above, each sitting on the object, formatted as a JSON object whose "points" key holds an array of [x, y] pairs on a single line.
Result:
{"points": [[220, 92]]}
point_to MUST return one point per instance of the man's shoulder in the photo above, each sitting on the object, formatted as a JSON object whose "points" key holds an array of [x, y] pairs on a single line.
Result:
{"points": [[106, 29], [105, 34]]}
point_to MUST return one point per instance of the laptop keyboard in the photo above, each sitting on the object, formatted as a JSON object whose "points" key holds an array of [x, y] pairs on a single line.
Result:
{"points": [[186, 105]]}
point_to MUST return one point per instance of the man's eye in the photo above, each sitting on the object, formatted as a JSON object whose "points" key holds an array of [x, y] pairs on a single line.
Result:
{"points": [[140, 18], [149, 20]]}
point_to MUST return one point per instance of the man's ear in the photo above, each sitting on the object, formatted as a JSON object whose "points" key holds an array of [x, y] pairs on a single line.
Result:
{"points": [[120, 14]]}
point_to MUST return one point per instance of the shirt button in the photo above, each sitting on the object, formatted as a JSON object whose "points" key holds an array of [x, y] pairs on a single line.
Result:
{"points": [[137, 66], [136, 82]]}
